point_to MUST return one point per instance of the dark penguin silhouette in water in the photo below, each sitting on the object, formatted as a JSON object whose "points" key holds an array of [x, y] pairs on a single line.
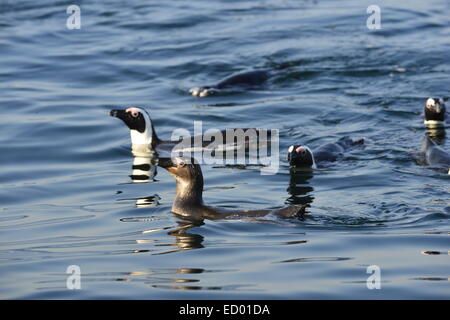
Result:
{"points": [[243, 80], [434, 156], [144, 138], [303, 157], [188, 200], [435, 113]]}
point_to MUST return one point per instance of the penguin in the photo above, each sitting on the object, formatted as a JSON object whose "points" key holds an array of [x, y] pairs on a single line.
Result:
{"points": [[435, 113], [188, 200], [434, 156], [144, 139], [142, 131], [303, 157], [244, 80]]}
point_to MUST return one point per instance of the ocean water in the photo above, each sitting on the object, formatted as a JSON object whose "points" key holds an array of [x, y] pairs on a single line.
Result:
{"points": [[66, 197]]}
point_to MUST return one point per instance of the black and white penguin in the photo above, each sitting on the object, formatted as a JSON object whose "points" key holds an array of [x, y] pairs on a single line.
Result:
{"points": [[303, 157], [244, 80], [435, 113], [144, 138], [142, 131], [188, 200], [434, 156]]}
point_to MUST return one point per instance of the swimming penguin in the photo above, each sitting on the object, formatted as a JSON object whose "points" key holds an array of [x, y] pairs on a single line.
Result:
{"points": [[435, 114], [141, 127], [245, 80], [144, 138], [303, 157], [189, 195], [434, 156]]}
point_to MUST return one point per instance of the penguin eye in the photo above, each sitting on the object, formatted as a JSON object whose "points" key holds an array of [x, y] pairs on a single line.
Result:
{"points": [[134, 114], [181, 164]]}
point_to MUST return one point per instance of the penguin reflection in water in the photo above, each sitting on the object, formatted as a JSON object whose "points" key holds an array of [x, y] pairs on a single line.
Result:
{"points": [[300, 188], [188, 200]]}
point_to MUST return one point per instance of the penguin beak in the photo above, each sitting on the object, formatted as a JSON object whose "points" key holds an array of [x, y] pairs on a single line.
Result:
{"points": [[165, 163], [118, 114]]}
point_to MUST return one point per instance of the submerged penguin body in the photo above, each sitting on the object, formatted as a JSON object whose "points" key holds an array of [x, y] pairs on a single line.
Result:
{"points": [[244, 80], [252, 78], [434, 156]]}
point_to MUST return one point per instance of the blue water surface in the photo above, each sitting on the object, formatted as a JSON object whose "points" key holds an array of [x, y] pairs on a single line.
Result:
{"points": [[66, 197]]}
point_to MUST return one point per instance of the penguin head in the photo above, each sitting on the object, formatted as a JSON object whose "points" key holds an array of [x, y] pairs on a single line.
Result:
{"points": [[300, 157], [434, 111], [139, 123], [185, 170], [202, 91]]}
